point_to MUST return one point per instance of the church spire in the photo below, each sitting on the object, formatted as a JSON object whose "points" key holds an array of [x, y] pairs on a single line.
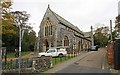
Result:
{"points": [[48, 5]]}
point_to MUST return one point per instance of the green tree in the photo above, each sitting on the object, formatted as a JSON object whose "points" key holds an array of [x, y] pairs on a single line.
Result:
{"points": [[32, 40], [11, 21], [7, 19], [28, 41], [25, 40], [101, 36], [114, 32], [9, 32], [117, 23], [117, 27], [21, 18]]}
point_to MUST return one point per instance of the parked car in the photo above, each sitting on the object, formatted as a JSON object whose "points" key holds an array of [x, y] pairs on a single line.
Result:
{"points": [[54, 52], [93, 48]]}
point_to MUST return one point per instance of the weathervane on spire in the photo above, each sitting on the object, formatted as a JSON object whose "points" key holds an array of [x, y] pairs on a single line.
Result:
{"points": [[48, 5]]}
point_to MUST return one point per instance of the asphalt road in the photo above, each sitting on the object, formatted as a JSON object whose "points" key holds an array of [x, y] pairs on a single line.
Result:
{"points": [[90, 64]]}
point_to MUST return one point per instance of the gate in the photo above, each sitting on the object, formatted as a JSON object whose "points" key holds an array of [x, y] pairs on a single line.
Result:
{"points": [[117, 55]]}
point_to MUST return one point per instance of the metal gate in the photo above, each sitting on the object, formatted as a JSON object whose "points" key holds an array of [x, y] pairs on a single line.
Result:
{"points": [[117, 55]]}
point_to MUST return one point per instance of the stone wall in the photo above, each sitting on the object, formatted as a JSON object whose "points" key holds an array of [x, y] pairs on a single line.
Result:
{"points": [[37, 64], [42, 63]]}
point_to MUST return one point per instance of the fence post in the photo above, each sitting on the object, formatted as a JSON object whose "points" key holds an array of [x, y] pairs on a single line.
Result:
{"points": [[33, 65], [11, 64], [27, 63], [16, 64], [22, 63], [51, 63]]}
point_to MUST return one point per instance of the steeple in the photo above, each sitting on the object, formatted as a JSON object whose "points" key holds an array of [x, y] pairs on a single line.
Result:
{"points": [[48, 5]]}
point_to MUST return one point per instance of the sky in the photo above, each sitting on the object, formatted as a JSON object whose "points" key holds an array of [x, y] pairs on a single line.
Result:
{"points": [[81, 13]]}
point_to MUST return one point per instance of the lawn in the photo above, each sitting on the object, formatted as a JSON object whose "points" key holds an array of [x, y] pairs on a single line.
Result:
{"points": [[12, 64], [12, 54], [57, 60]]}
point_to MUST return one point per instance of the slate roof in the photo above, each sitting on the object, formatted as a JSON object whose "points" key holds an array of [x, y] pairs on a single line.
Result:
{"points": [[65, 22], [87, 35]]}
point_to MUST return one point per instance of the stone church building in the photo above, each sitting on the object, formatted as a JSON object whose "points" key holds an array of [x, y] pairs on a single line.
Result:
{"points": [[55, 31]]}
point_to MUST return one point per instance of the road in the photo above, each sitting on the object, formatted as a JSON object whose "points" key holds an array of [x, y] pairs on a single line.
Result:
{"points": [[90, 64]]}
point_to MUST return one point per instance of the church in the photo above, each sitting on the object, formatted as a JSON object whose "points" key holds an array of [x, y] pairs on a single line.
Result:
{"points": [[55, 31]]}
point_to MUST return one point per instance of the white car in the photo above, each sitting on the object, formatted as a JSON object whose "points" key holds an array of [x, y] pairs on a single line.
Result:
{"points": [[54, 52], [94, 48]]}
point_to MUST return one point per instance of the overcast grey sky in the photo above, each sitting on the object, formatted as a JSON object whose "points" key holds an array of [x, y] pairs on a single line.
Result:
{"points": [[81, 13]]}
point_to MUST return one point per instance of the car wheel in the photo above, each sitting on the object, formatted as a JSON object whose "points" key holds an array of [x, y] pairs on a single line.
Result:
{"points": [[42, 55], [60, 55]]}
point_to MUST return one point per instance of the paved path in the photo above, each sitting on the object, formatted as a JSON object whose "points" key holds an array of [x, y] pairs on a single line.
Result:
{"points": [[67, 63], [86, 62], [90, 64]]}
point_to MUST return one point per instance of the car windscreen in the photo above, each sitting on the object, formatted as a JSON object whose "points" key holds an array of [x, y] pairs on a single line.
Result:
{"points": [[49, 51]]}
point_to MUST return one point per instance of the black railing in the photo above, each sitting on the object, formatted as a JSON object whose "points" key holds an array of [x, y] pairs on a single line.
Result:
{"points": [[14, 64], [36, 64]]}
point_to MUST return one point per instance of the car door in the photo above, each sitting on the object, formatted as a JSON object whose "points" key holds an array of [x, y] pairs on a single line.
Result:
{"points": [[49, 53], [53, 52]]}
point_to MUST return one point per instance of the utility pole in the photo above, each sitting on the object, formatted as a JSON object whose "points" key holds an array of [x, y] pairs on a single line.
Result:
{"points": [[20, 18], [0, 42], [36, 48], [92, 38], [0, 60], [19, 48], [111, 29]]}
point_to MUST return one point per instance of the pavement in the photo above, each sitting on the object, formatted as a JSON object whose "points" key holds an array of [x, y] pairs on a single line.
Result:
{"points": [[69, 62], [106, 66], [92, 63]]}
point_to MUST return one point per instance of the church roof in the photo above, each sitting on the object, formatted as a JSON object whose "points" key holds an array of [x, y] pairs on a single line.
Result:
{"points": [[87, 34], [65, 22]]}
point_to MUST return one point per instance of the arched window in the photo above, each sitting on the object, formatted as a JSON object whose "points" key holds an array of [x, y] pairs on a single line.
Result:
{"points": [[66, 41], [79, 45], [51, 29], [45, 30], [48, 27]]}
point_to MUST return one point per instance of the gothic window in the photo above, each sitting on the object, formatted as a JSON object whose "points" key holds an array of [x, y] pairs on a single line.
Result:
{"points": [[52, 44], [48, 27], [51, 29], [79, 45], [66, 41], [45, 31]]}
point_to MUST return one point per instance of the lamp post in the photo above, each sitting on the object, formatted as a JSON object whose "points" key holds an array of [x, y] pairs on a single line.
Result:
{"points": [[92, 36], [20, 21], [20, 38], [0, 60], [19, 47], [111, 30]]}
